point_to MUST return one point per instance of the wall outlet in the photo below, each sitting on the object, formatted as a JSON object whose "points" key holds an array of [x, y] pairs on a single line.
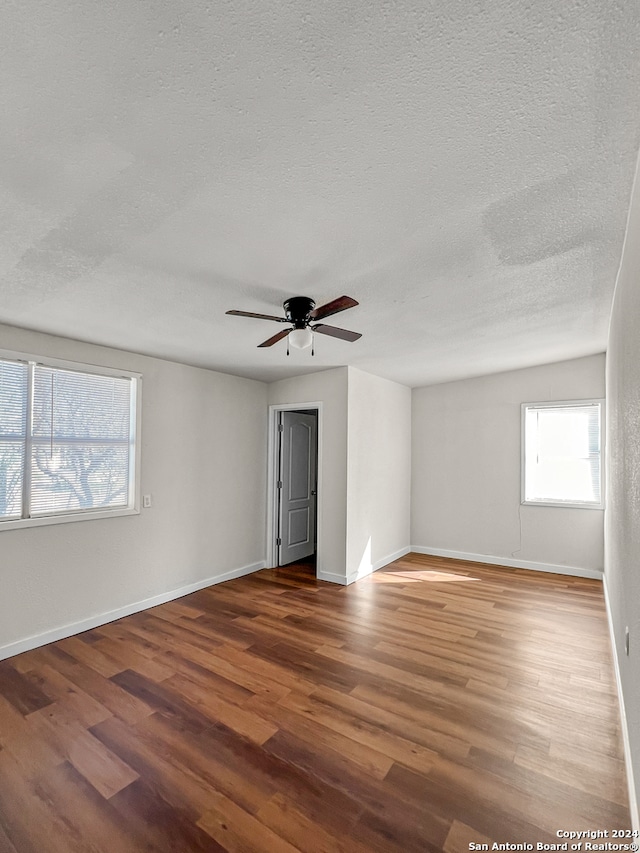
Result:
{"points": [[626, 640], [146, 501]]}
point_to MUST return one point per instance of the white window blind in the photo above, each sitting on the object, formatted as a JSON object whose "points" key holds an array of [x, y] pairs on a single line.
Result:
{"points": [[13, 431], [80, 446], [562, 453], [66, 441]]}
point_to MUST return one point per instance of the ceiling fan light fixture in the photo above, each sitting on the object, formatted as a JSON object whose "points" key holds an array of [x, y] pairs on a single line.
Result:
{"points": [[300, 313], [301, 338]]}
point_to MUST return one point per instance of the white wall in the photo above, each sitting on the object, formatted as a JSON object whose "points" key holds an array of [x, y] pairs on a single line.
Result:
{"points": [[203, 461], [329, 387], [622, 517], [379, 472], [366, 467], [466, 471]]}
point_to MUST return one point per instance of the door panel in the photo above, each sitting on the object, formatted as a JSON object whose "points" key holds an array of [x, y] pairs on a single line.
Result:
{"points": [[298, 527], [299, 461], [297, 519]]}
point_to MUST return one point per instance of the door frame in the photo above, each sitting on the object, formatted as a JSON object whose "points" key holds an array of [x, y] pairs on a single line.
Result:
{"points": [[272, 479]]}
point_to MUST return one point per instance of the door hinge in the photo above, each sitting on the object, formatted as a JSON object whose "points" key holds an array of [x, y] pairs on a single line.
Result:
{"points": [[278, 541], [279, 484], [280, 427]]}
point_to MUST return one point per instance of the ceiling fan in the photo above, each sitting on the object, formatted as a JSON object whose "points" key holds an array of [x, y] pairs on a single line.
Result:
{"points": [[302, 314]]}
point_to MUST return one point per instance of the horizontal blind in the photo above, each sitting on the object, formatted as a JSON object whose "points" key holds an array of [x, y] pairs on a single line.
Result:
{"points": [[81, 441], [13, 429], [563, 453]]}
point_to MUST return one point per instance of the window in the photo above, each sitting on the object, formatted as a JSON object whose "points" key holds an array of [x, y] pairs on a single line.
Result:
{"points": [[67, 442], [562, 459]]}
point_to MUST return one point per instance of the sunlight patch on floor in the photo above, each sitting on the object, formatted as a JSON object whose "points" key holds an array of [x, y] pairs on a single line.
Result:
{"points": [[416, 577]]}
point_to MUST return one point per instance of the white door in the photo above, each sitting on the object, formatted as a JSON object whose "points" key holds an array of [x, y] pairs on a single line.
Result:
{"points": [[297, 486]]}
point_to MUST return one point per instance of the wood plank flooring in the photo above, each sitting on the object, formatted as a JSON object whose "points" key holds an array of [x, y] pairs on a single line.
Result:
{"points": [[431, 705]]}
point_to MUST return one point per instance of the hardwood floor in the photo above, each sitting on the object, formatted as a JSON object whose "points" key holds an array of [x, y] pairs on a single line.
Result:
{"points": [[431, 705]]}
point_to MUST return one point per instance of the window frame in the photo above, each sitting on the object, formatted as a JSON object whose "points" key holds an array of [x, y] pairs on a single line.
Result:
{"points": [[133, 507], [562, 404]]}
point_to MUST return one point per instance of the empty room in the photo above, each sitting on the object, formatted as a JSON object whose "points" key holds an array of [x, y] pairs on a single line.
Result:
{"points": [[319, 426]]}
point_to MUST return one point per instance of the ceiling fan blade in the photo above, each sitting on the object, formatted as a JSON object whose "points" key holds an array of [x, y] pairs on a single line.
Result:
{"points": [[259, 316], [339, 304], [274, 340], [335, 332]]}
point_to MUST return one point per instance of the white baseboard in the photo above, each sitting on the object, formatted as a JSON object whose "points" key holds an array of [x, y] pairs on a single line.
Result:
{"points": [[386, 560], [331, 578], [509, 562], [365, 571], [60, 633], [633, 800]]}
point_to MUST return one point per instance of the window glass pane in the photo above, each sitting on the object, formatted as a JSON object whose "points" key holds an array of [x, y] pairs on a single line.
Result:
{"points": [[562, 454], [81, 441], [13, 424]]}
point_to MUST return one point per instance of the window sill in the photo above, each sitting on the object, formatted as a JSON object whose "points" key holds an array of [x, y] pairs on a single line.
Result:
{"points": [[89, 515], [563, 504]]}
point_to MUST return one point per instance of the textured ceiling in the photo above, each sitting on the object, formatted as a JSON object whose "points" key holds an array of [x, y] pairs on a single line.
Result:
{"points": [[462, 169]]}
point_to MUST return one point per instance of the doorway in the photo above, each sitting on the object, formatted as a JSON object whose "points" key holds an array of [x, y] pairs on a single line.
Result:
{"points": [[294, 485]]}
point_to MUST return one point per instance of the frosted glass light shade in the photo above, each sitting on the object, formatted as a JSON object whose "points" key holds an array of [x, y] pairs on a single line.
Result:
{"points": [[301, 338]]}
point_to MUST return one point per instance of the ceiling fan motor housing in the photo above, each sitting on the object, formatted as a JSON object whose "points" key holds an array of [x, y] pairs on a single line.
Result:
{"points": [[297, 310]]}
